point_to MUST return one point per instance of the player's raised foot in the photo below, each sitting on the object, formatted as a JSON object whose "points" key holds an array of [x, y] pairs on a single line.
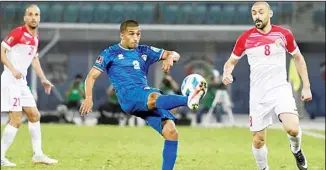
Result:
{"points": [[196, 95], [301, 160], [6, 162], [43, 159]]}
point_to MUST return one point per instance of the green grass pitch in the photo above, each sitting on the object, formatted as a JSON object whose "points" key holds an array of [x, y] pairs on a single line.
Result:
{"points": [[132, 148]]}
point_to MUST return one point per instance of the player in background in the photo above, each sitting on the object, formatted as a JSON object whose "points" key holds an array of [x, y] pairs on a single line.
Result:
{"points": [[127, 65], [18, 52], [270, 93]]}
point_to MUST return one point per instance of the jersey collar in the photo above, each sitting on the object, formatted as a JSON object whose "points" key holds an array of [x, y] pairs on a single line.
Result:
{"points": [[26, 30], [125, 48], [267, 32]]}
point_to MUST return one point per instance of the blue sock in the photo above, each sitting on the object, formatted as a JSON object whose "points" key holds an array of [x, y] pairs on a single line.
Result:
{"points": [[169, 154], [168, 102]]}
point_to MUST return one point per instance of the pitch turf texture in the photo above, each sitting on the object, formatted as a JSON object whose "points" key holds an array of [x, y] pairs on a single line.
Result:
{"points": [[132, 148]]}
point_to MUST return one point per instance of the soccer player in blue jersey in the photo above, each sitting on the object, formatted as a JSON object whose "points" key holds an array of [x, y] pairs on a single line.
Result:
{"points": [[127, 65]]}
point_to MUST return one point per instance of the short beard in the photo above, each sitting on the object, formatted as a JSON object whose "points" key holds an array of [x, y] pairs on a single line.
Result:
{"points": [[262, 26], [32, 27]]}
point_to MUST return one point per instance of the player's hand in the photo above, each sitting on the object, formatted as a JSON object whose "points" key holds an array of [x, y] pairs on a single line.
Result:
{"points": [[86, 107], [47, 86], [17, 74], [306, 95], [227, 79], [167, 64]]}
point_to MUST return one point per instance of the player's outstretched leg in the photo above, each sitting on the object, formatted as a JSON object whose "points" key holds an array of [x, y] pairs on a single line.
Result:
{"points": [[8, 136], [35, 130], [170, 149], [291, 126], [259, 150], [168, 102]]}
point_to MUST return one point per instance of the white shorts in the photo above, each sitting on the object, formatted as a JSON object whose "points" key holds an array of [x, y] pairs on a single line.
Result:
{"points": [[260, 116], [15, 97]]}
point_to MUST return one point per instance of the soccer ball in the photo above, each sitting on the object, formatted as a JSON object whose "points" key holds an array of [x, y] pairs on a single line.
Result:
{"points": [[191, 82]]}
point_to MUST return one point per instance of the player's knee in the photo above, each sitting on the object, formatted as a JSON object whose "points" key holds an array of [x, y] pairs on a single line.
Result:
{"points": [[34, 117], [170, 132], [16, 120], [293, 131], [151, 101], [258, 140]]}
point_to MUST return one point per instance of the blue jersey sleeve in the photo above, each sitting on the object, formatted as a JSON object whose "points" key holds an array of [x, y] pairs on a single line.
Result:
{"points": [[153, 54], [102, 60]]}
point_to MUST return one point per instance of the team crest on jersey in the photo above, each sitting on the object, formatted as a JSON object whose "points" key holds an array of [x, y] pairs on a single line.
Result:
{"points": [[9, 40], [155, 49], [120, 56], [144, 57], [99, 60], [279, 43]]}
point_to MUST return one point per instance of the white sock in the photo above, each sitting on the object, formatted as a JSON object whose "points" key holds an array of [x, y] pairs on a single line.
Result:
{"points": [[35, 130], [295, 141], [261, 157], [8, 137]]}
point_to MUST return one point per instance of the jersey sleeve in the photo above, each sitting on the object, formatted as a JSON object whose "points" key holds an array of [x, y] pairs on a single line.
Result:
{"points": [[239, 48], [291, 45], [153, 54], [12, 38], [102, 60]]}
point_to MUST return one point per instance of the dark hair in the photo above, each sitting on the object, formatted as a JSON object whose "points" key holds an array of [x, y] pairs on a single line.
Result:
{"points": [[78, 76], [128, 23]]}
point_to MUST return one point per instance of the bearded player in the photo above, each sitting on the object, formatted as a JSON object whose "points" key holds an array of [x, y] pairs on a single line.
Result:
{"points": [[18, 52], [265, 46]]}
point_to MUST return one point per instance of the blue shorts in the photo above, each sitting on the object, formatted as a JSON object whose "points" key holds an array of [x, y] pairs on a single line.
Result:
{"points": [[134, 102]]}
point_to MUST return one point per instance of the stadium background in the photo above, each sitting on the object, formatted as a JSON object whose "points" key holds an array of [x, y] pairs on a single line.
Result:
{"points": [[76, 32], [72, 35]]}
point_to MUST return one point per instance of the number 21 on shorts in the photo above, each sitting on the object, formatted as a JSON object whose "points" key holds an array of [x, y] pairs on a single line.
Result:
{"points": [[267, 50], [16, 102]]}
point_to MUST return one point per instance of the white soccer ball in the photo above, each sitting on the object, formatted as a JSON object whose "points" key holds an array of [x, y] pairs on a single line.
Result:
{"points": [[191, 82]]}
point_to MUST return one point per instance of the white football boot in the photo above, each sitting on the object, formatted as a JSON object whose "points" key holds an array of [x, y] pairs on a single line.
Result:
{"points": [[196, 95], [43, 159], [6, 162]]}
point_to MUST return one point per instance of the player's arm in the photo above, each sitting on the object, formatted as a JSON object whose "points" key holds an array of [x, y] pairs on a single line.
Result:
{"points": [[39, 72], [91, 78], [169, 57], [302, 69], [170, 54], [90, 81], [6, 45], [38, 69], [5, 60], [300, 64], [229, 65]]}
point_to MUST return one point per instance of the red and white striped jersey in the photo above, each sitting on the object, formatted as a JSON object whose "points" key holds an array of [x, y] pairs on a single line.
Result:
{"points": [[21, 48], [267, 58]]}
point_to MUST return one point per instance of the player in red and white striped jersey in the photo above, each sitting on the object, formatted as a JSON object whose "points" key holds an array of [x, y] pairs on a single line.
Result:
{"points": [[18, 52], [270, 93]]}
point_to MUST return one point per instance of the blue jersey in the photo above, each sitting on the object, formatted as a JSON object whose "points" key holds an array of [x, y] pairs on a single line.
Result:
{"points": [[127, 68]]}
